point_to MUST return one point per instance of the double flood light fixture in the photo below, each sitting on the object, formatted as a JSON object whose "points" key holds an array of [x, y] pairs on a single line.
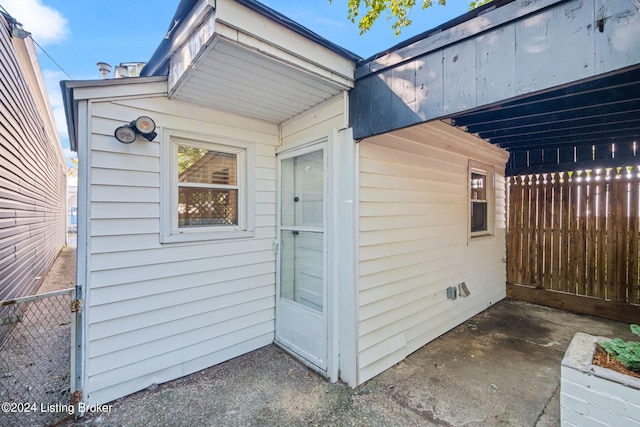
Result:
{"points": [[143, 126]]}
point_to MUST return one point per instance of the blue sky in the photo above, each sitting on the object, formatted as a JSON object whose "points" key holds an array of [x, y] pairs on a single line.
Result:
{"points": [[79, 33]]}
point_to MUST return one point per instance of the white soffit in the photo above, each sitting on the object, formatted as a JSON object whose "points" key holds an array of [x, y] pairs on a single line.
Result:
{"points": [[223, 68]]}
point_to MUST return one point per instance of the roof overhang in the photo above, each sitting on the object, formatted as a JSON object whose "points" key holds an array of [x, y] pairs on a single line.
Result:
{"points": [[241, 57], [556, 82]]}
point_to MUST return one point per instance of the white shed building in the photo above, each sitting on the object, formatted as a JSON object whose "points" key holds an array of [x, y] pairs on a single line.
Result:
{"points": [[253, 216]]}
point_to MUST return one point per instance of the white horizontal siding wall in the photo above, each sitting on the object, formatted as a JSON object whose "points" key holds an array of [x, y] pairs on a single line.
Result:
{"points": [[32, 173], [413, 244], [318, 121], [155, 311]]}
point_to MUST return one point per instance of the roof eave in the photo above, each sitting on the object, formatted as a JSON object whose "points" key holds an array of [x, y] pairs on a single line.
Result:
{"points": [[186, 20]]}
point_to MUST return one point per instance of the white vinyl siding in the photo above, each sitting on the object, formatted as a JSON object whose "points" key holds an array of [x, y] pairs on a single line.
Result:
{"points": [[156, 312], [32, 173], [317, 121], [413, 241]]}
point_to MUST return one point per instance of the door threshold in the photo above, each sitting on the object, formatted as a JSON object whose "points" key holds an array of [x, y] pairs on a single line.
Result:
{"points": [[303, 361]]}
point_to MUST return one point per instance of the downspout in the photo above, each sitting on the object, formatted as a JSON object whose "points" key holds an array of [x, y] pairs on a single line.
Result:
{"points": [[79, 353]]}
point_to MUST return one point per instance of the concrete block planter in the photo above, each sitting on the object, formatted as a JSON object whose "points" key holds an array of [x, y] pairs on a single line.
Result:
{"points": [[595, 396]]}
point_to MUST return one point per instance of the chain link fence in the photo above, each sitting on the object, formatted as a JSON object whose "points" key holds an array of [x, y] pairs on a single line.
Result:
{"points": [[35, 359]]}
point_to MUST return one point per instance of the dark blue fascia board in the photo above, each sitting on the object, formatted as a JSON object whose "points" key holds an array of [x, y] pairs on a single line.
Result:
{"points": [[69, 113]]}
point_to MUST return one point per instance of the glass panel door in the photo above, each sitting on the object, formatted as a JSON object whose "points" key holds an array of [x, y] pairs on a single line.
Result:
{"points": [[302, 270], [301, 230], [301, 319]]}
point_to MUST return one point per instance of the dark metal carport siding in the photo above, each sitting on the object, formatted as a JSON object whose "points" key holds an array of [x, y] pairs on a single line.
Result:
{"points": [[592, 123], [555, 82]]}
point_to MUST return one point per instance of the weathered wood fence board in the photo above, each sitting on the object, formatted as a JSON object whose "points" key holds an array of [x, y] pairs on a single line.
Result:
{"points": [[577, 233]]}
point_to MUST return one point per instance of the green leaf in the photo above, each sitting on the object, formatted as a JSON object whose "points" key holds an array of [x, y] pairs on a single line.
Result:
{"points": [[627, 352], [396, 10], [478, 3]]}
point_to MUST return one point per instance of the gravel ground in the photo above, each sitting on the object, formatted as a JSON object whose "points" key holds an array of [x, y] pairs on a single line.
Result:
{"points": [[500, 368], [241, 392]]}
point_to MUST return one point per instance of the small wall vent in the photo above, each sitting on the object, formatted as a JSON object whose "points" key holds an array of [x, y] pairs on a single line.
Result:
{"points": [[463, 290]]}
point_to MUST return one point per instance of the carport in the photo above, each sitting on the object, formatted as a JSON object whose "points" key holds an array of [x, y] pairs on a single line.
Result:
{"points": [[557, 84]]}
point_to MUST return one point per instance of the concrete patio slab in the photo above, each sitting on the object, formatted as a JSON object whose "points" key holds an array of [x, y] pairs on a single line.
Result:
{"points": [[500, 368]]}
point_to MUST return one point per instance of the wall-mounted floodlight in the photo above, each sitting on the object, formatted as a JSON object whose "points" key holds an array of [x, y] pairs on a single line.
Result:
{"points": [[143, 126]]}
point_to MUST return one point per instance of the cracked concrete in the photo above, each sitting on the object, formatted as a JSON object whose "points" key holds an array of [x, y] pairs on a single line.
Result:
{"points": [[500, 368]]}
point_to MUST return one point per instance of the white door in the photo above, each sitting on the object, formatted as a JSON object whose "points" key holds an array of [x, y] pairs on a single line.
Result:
{"points": [[301, 317]]}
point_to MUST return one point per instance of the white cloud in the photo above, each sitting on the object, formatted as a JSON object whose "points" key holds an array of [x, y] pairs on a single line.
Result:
{"points": [[46, 24], [52, 82]]}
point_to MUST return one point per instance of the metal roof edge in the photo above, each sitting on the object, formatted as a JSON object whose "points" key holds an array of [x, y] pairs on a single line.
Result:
{"points": [[112, 82], [69, 113], [444, 34], [298, 28], [158, 64], [442, 27]]}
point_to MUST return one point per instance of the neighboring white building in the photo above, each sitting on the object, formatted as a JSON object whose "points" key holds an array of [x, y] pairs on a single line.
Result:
{"points": [[32, 168], [253, 216], [72, 206]]}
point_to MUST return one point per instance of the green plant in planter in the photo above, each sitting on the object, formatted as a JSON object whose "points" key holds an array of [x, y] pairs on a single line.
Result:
{"points": [[627, 352]]}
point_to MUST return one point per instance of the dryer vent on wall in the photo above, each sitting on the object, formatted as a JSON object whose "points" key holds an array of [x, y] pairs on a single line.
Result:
{"points": [[463, 291]]}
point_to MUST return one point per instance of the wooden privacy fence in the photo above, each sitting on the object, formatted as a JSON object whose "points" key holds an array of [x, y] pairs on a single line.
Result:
{"points": [[573, 241]]}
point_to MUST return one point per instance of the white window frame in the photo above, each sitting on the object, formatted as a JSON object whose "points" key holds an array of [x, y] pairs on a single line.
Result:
{"points": [[489, 172], [170, 231]]}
